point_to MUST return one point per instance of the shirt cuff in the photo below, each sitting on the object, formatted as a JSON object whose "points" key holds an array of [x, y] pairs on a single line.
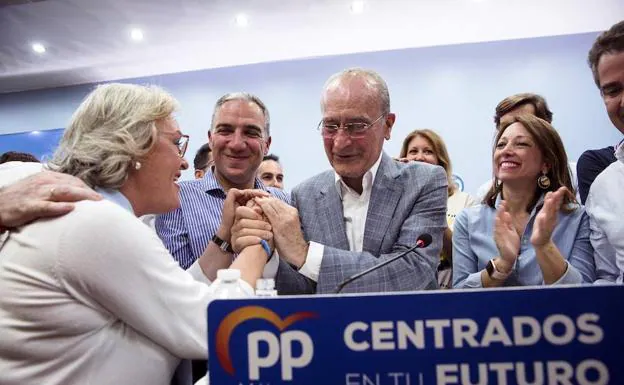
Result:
{"points": [[570, 276], [312, 265], [198, 274], [473, 281]]}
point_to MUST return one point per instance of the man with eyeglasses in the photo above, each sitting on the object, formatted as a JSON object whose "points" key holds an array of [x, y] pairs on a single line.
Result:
{"points": [[365, 210]]}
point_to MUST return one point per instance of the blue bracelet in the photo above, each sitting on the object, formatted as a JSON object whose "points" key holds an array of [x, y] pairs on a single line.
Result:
{"points": [[265, 246]]}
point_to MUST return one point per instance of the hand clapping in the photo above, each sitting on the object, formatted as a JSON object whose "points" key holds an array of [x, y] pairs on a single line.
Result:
{"points": [[546, 219], [505, 236]]}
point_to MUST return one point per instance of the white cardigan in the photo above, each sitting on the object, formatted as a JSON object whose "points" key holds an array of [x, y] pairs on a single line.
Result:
{"points": [[93, 297]]}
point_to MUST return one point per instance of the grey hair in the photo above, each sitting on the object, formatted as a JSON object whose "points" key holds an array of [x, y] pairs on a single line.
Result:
{"points": [[373, 80], [246, 97], [113, 127]]}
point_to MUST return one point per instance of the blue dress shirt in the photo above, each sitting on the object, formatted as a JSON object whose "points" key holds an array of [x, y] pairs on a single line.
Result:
{"points": [[474, 246], [187, 230]]}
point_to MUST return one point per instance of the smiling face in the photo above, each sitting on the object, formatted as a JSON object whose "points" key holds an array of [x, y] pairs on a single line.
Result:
{"points": [[517, 158], [353, 101], [238, 141], [611, 77], [154, 183]]}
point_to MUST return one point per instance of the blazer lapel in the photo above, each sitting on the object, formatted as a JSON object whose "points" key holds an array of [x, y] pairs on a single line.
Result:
{"points": [[330, 210], [385, 196]]}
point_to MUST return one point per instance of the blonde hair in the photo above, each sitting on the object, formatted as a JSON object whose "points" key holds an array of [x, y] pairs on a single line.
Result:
{"points": [[440, 151], [112, 128]]}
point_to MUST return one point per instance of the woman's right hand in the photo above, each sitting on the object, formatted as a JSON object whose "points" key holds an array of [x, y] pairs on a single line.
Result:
{"points": [[250, 228], [506, 238], [234, 199]]}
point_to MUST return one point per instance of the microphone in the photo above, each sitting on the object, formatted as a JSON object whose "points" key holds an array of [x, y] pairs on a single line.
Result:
{"points": [[423, 241]]}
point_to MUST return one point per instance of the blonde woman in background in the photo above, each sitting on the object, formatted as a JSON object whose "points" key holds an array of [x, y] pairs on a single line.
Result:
{"points": [[427, 146]]}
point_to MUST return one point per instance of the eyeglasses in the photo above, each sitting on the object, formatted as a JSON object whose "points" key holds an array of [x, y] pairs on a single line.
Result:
{"points": [[182, 144], [354, 130]]}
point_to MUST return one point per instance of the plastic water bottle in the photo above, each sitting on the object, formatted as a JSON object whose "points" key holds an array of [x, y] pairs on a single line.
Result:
{"points": [[265, 287], [228, 285]]}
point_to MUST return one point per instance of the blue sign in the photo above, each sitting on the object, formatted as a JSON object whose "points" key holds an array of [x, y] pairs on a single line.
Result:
{"points": [[517, 336]]}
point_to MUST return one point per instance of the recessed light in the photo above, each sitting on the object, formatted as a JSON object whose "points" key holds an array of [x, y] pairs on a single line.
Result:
{"points": [[136, 34], [38, 48], [242, 20], [357, 6], [35, 132]]}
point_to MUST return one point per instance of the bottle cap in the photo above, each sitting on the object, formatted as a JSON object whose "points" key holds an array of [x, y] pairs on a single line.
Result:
{"points": [[265, 284]]}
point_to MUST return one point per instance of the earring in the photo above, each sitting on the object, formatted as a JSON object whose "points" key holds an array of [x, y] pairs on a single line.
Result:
{"points": [[543, 181], [137, 165]]}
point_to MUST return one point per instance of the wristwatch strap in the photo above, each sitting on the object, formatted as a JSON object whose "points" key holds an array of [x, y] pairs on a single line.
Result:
{"points": [[494, 273], [223, 245]]}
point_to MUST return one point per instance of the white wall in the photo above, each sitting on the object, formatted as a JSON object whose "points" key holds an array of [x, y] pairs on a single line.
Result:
{"points": [[450, 89]]}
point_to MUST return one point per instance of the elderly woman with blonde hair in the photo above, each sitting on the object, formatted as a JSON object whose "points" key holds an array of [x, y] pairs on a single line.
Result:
{"points": [[427, 146], [93, 297]]}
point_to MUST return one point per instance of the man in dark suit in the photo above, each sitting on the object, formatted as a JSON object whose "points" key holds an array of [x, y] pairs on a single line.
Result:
{"points": [[365, 210]]}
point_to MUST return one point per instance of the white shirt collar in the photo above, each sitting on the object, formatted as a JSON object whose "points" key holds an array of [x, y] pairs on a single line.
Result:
{"points": [[367, 180]]}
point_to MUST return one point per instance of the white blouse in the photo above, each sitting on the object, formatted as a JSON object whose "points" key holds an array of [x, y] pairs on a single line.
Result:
{"points": [[93, 297]]}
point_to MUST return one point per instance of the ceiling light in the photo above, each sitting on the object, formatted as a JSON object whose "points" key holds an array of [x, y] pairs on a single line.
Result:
{"points": [[357, 6], [35, 132], [38, 48], [242, 20], [136, 34]]}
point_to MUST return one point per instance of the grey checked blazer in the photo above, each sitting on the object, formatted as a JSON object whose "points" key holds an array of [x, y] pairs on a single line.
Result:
{"points": [[406, 201]]}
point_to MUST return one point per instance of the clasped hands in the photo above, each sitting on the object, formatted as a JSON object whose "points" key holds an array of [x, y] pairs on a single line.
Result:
{"points": [[507, 239], [265, 217]]}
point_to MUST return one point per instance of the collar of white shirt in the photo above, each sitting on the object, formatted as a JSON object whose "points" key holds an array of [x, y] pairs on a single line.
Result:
{"points": [[367, 180]]}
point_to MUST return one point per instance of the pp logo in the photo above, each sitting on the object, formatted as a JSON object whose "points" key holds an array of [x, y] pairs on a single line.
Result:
{"points": [[278, 346]]}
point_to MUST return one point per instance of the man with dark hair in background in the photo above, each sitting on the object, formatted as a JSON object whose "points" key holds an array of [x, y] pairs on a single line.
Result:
{"points": [[518, 104], [605, 204], [202, 161], [270, 172], [14, 156]]}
